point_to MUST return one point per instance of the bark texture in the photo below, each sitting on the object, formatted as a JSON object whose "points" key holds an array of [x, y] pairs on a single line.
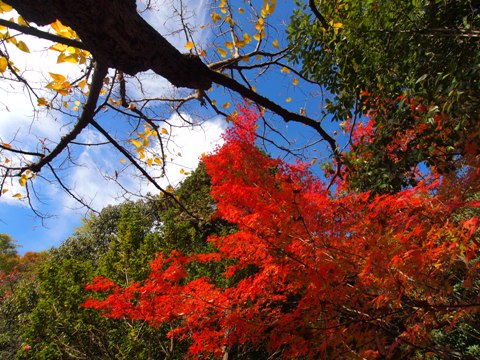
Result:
{"points": [[118, 37]]}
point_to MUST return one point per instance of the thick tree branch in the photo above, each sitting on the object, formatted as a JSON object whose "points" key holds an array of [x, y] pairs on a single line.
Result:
{"points": [[42, 34], [318, 15], [119, 37], [286, 115], [85, 118]]}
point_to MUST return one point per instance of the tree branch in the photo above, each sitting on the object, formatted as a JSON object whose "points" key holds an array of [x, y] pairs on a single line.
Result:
{"points": [[43, 34], [318, 15], [85, 118]]}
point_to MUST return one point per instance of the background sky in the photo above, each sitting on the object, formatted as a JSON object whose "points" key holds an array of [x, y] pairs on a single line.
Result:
{"points": [[16, 122]]}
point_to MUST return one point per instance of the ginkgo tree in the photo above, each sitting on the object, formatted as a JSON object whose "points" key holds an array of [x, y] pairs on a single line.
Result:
{"points": [[108, 46], [315, 276]]}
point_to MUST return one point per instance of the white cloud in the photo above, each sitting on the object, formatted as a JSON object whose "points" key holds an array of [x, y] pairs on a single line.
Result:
{"points": [[21, 120]]}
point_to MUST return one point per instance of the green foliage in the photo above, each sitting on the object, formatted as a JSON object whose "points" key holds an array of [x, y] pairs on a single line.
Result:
{"points": [[395, 51], [46, 308]]}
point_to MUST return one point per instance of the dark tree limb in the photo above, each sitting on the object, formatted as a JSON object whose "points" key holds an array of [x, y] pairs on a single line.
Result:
{"points": [[119, 37], [318, 14], [286, 115], [43, 35], [85, 118]]}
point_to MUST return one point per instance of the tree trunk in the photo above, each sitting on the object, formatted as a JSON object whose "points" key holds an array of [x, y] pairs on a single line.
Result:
{"points": [[118, 37]]}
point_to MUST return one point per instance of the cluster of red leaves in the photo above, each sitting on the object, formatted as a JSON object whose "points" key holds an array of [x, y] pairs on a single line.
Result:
{"points": [[331, 276]]}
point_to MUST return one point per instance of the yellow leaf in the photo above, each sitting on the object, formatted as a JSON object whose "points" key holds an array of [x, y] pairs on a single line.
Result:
{"points": [[123, 161], [149, 162], [8, 146], [230, 20], [4, 7], [222, 52], [288, 99], [275, 43], [4, 191], [241, 11], [22, 181], [302, 111], [203, 53], [216, 17], [229, 44], [189, 45], [57, 77], [58, 47], [182, 171], [257, 37], [22, 21], [226, 105], [82, 84], [284, 70], [67, 58], [137, 143], [3, 64], [214, 102], [295, 81], [22, 46], [164, 131], [18, 196], [157, 161], [247, 38], [75, 108]]}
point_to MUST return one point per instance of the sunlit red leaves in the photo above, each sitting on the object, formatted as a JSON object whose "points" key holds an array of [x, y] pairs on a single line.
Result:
{"points": [[323, 270]]}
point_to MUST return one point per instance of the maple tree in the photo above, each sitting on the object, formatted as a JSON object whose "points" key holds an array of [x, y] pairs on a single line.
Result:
{"points": [[311, 275]]}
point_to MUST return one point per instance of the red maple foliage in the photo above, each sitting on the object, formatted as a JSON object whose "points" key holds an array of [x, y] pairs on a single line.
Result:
{"points": [[330, 276]]}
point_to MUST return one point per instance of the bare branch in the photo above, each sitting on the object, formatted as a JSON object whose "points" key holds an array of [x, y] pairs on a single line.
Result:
{"points": [[85, 118]]}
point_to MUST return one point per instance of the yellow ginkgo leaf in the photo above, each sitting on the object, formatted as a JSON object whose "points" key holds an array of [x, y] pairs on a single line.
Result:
{"points": [[23, 181], [21, 21], [229, 44], [149, 161], [22, 46], [3, 64], [18, 196], [222, 52], [216, 17], [4, 7], [67, 58], [137, 143], [58, 77], [58, 47], [288, 99], [285, 70], [42, 102], [275, 43], [164, 131], [189, 45]]}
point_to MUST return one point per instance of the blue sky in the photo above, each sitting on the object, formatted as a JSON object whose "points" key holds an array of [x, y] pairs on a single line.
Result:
{"points": [[33, 234]]}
